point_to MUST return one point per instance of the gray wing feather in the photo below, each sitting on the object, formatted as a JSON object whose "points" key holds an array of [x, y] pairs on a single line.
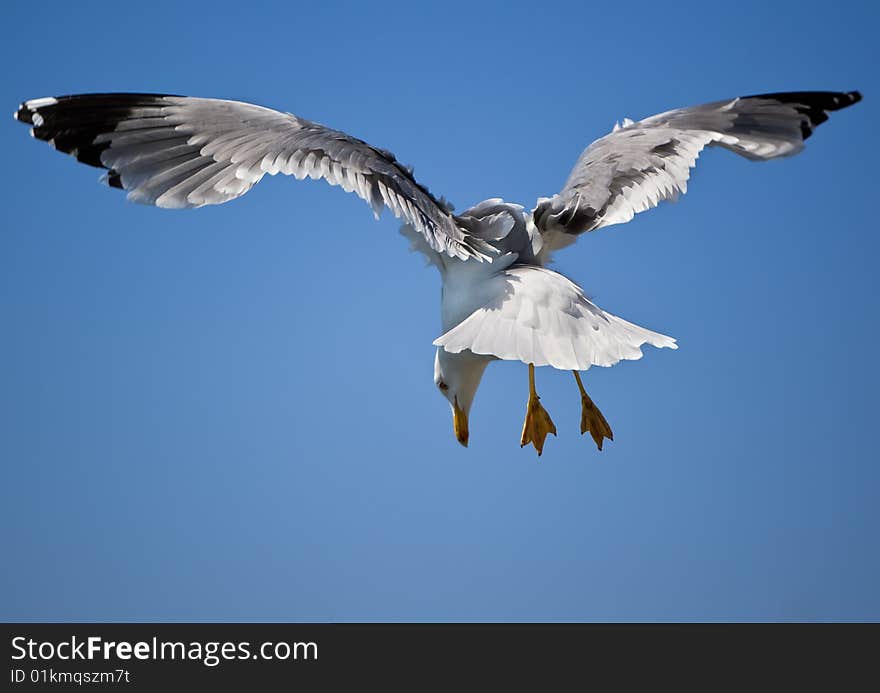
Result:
{"points": [[184, 152], [639, 164]]}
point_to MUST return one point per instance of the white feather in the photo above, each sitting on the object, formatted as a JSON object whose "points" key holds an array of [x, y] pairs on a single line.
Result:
{"points": [[538, 316]]}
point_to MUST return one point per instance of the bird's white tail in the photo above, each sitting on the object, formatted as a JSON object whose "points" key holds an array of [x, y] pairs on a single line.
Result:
{"points": [[538, 316]]}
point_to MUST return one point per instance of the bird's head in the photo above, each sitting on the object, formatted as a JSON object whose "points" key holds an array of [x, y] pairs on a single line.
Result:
{"points": [[457, 377]]}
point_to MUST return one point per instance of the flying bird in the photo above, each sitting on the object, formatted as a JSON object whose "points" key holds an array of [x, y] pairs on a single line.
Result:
{"points": [[499, 300]]}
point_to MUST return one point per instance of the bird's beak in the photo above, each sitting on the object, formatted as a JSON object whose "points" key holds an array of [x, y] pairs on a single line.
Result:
{"points": [[459, 423]]}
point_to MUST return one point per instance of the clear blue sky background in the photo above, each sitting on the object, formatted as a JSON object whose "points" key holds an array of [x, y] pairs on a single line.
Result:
{"points": [[229, 414]]}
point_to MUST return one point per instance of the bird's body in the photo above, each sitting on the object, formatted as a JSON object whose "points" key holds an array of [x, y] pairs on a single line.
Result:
{"points": [[504, 227], [499, 300], [510, 306]]}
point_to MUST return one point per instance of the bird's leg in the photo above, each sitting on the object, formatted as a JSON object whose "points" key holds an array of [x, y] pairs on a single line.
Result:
{"points": [[538, 423], [591, 418]]}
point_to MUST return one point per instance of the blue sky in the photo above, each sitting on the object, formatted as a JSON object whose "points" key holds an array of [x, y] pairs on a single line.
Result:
{"points": [[229, 413]]}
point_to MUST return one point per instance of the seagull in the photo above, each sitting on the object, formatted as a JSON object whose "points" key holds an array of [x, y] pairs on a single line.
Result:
{"points": [[499, 300]]}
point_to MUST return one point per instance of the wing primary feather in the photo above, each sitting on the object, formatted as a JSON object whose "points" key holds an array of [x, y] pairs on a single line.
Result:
{"points": [[148, 142]]}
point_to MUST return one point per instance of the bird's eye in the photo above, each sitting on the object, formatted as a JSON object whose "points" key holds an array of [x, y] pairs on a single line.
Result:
{"points": [[443, 386]]}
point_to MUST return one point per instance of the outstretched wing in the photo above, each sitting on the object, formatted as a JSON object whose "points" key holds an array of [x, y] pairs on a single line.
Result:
{"points": [[179, 151], [639, 164]]}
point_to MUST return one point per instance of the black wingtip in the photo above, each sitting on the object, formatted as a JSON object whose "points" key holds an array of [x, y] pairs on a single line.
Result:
{"points": [[23, 115], [815, 105], [114, 180], [843, 100], [71, 124]]}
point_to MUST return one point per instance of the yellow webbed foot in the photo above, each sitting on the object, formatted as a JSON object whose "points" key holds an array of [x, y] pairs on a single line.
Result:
{"points": [[593, 421], [538, 423], [591, 418]]}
